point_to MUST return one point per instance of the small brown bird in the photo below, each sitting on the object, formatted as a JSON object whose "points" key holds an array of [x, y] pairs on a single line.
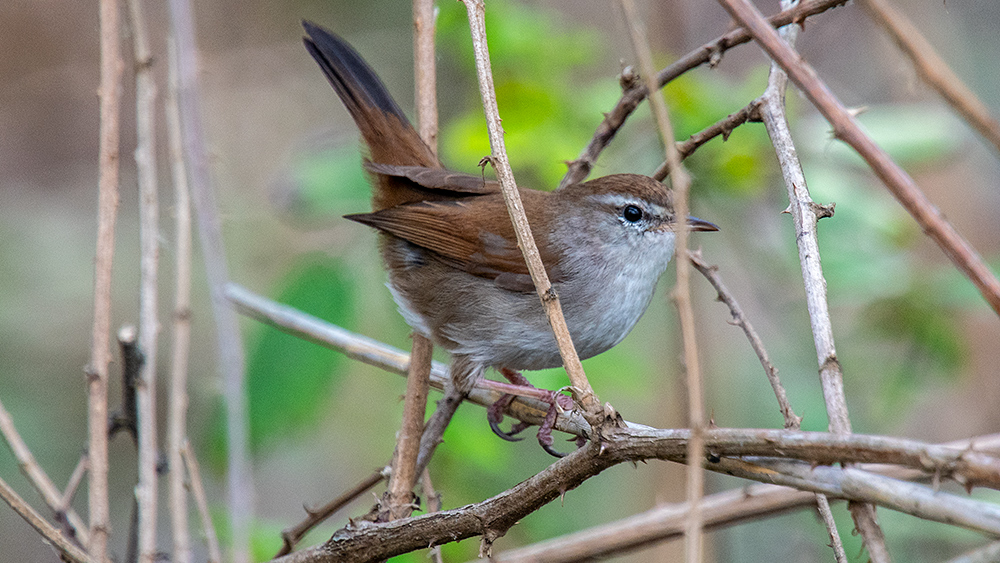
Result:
{"points": [[454, 266]]}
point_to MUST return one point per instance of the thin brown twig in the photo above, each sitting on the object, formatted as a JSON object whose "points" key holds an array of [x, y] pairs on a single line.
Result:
{"points": [[149, 325], [230, 344], [681, 183], [933, 70], [666, 522], [100, 353], [201, 502], [54, 537], [723, 127], [181, 333], [582, 390], [399, 496], [709, 53], [433, 500], [846, 128], [772, 112], [290, 537], [711, 273], [72, 486], [404, 464], [40, 480]]}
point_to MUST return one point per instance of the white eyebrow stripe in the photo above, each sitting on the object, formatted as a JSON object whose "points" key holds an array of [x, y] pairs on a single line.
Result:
{"points": [[619, 200]]}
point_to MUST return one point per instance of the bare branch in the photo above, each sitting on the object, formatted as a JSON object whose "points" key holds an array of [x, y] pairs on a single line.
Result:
{"points": [[932, 68], [711, 273], [66, 548], [146, 492], [681, 183], [292, 536], [181, 343], [846, 128], [493, 517], [201, 501], [582, 390], [230, 343], [664, 522], [709, 53], [404, 473], [723, 127], [55, 500], [100, 353]]}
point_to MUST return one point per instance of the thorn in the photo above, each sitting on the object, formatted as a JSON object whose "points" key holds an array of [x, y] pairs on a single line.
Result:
{"points": [[854, 112]]}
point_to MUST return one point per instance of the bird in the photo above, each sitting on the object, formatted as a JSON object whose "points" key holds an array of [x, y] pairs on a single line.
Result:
{"points": [[454, 268]]}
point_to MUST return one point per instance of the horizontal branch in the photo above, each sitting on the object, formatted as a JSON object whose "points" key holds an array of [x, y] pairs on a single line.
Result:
{"points": [[968, 466], [492, 518], [660, 523]]}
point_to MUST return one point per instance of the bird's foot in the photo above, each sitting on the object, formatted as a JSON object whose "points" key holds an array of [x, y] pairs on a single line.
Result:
{"points": [[556, 401]]}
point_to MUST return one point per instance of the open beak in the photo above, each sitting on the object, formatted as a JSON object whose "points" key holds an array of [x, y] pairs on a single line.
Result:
{"points": [[696, 224]]}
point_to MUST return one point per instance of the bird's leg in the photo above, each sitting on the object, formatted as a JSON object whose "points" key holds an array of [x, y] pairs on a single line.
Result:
{"points": [[494, 414]]}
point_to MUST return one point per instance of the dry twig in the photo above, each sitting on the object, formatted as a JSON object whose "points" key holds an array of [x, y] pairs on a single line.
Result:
{"points": [[846, 128], [181, 343], [709, 53], [100, 353], [149, 324], [56, 501], [230, 343], [681, 183], [582, 390], [201, 501], [66, 548], [933, 69]]}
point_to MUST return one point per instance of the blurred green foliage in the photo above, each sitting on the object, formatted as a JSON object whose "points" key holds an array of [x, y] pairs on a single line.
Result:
{"points": [[289, 379]]}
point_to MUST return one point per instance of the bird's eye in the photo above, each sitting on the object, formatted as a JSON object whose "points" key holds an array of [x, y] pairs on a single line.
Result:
{"points": [[632, 213]]}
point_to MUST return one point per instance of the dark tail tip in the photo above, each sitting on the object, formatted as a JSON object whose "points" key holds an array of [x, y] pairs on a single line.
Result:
{"points": [[355, 82]]}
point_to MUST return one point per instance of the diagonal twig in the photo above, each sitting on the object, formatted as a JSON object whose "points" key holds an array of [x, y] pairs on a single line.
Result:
{"points": [[846, 128], [709, 53], [582, 390], [66, 548], [711, 273], [56, 501], [932, 68], [806, 214]]}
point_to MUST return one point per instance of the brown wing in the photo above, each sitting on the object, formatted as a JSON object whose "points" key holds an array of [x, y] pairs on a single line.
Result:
{"points": [[437, 178], [487, 248]]}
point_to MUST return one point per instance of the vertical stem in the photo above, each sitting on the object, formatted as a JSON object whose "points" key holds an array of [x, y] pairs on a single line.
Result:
{"points": [[149, 234], [805, 215], [404, 464], [582, 390], [177, 414], [681, 182], [230, 344], [100, 354]]}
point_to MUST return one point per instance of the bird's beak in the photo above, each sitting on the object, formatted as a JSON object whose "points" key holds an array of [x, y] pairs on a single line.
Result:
{"points": [[696, 224]]}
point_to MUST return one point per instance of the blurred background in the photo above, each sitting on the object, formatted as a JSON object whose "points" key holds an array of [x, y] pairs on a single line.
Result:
{"points": [[918, 345]]}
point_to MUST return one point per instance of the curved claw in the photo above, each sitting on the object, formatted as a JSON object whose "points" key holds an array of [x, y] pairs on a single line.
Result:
{"points": [[495, 426], [551, 451], [545, 431], [494, 415]]}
